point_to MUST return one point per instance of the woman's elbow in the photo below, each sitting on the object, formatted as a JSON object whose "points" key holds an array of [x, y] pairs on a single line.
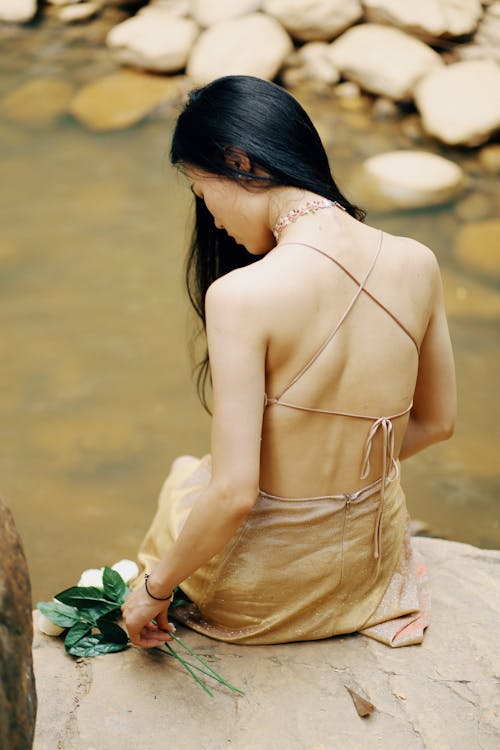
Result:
{"points": [[238, 498], [445, 430]]}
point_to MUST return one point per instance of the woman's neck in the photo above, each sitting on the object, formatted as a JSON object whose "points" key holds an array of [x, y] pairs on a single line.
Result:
{"points": [[291, 205]]}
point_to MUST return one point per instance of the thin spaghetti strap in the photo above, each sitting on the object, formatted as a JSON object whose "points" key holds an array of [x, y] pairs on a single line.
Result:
{"points": [[339, 323], [356, 281]]}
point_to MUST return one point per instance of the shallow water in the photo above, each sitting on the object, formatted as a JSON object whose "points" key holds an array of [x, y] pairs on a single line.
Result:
{"points": [[96, 396]]}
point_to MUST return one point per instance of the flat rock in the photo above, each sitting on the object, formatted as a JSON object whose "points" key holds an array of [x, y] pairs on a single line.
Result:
{"points": [[208, 12], [17, 686], [478, 247], [228, 48], [407, 179], [39, 102], [17, 11], [122, 99], [430, 18], [383, 60], [442, 694], [154, 39], [455, 108], [314, 20]]}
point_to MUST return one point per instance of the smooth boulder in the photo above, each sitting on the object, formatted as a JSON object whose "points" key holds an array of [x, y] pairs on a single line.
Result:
{"points": [[314, 20], [460, 103], [208, 12], [229, 48], [17, 11], [407, 179], [430, 18], [122, 99], [383, 60], [154, 39], [17, 682]]}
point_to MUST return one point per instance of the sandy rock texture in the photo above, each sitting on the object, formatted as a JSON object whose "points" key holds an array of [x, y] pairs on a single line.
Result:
{"points": [[229, 47], [314, 20], [383, 60], [458, 104], [431, 18], [17, 11], [443, 694], [17, 687], [155, 39]]}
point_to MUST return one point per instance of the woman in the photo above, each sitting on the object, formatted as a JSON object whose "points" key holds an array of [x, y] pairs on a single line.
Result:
{"points": [[330, 358]]}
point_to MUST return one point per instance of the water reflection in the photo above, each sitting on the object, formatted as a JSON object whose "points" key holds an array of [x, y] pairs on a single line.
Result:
{"points": [[96, 397]]}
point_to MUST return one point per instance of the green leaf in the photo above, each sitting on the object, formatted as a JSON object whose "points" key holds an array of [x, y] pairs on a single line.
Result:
{"points": [[115, 587], [109, 610], [94, 645], [59, 613], [75, 634], [82, 597], [111, 632]]}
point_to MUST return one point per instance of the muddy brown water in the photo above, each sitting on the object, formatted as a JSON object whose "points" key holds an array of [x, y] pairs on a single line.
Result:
{"points": [[96, 396]]}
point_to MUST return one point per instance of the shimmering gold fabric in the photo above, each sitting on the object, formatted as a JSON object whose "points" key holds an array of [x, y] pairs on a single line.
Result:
{"points": [[298, 569]]}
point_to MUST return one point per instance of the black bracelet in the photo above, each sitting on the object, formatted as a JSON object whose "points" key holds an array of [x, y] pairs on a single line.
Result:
{"points": [[157, 598]]}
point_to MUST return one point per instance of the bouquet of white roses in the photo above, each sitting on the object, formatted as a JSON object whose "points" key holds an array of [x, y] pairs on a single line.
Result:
{"points": [[87, 615]]}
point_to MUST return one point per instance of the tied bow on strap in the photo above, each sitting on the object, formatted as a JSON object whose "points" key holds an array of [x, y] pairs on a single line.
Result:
{"points": [[384, 424]]}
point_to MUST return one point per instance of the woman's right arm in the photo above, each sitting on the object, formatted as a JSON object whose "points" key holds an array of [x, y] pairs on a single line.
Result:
{"points": [[433, 414]]}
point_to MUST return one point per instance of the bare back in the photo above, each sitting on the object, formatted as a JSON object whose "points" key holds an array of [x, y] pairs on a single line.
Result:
{"points": [[369, 367]]}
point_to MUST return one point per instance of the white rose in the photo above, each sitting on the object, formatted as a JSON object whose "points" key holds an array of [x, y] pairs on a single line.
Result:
{"points": [[46, 626], [128, 570], [91, 577]]}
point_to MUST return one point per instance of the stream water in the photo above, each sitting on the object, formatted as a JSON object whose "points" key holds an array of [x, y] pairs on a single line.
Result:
{"points": [[96, 396]]}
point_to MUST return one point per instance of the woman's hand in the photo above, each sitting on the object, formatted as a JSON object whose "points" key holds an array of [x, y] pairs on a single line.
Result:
{"points": [[139, 609]]}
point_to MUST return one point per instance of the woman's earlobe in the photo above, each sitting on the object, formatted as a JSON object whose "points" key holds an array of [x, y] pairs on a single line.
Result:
{"points": [[237, 159]]}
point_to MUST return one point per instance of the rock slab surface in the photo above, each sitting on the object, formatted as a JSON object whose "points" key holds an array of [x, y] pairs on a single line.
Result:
{"points": [[17, 686], [443, 694]]}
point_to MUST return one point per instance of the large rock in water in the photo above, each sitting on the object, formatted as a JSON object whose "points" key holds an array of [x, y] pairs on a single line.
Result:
{"points": [[39, 102], [314, 20], [431, 18], [122, 99], [407, 179], [155, 39], [383, 60], [460, 103], [229, 48], [17, 685], [442, 695]]}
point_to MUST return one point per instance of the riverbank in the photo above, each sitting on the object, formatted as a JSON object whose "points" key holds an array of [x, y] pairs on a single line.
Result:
{"points": [[443, 694]]}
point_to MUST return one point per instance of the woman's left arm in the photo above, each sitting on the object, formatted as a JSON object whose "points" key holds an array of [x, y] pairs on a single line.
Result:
{"points": [[237, 344]]}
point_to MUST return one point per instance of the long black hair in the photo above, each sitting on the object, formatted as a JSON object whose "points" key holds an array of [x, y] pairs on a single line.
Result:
{"points": [[270, 127]]}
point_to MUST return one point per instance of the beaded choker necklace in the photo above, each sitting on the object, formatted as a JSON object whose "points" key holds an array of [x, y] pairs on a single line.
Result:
{"points": [[308, 208]]}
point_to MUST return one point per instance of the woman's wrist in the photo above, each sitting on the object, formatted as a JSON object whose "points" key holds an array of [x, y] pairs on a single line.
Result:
{"points": [[157, 590]]}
